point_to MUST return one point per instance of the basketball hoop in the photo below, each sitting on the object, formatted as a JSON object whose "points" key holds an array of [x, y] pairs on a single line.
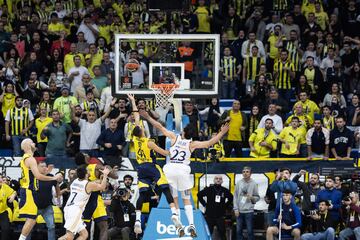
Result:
{"points": [[164, 93]]}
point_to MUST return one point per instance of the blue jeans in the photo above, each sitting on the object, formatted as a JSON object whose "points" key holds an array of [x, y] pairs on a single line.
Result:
{"points": [[328, 234], [269, 218], [48, 215], [60, 161], [348, 232], [248, 219], [16, 142]]}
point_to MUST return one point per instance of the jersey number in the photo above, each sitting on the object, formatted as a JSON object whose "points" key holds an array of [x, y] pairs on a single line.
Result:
{"points": [[179, 155], [72, 200]]}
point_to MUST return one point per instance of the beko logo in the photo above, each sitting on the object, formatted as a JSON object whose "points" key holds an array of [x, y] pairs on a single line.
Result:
{"points": [[171, 230]]}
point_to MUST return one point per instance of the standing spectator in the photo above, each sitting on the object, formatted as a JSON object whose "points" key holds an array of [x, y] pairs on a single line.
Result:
{"points": [[290, 218], [231, 70], [310, 191], [32, 93], [309, 107], [218, 200], [124, 215], [281, 106], [323, 226], [315, 79], [44, 202], [248, 44], [21, 120], [341, 140], [283, 75], [352, 111], [84, 87], [186, 54], [333, 196], [69, 59], [277, 121], [7, 196], [76, 73], [89, 28], [62, 104], [112, 139], [238, 124], [290, 138], [194, 117], [263, 141], [58, 134], [245, 196], [283, 183], [203, 15], [335, 91], [40, 123], [99, 80], [106, 67], [251, 69], [317, 140], [353, 223], [90, 130], [7, 98]]}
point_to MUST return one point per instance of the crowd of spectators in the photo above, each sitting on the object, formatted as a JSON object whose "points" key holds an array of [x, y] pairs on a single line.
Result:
{"points": [[292, 67]]}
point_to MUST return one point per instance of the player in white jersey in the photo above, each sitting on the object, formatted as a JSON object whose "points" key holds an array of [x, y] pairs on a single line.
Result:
{"points": [[80, 190], [177, 169]]}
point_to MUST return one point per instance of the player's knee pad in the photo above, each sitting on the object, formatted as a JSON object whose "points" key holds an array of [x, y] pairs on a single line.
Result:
{"points": [[185, 194], [168, 195]]}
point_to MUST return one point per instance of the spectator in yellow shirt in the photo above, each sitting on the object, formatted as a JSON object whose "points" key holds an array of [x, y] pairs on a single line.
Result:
{"points": [[94, 58], [263, 141], [305, 120], [55, 27], [322, 17], [235, 136], [40, 123], [69, 58], [309, 107], [290, 140], [203, 16], [7, 196]]}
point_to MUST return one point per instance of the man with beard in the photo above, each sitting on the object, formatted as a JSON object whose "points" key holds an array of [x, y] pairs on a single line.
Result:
{"points": [[310, 191], [333, 196], [263, 140], [317, 140], [283, 183], [218, 200]]}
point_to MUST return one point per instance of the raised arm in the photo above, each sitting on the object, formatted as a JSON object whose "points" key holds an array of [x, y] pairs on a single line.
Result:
{"points": [[73, 116], [205, 144], [107, 113], [94, 187], [158, 125], [134, 109], [31, 162], [157, 149]]}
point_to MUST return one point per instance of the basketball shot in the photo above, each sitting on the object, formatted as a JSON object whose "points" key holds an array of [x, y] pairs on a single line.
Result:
{"points": [[177, 170], [29, 187], [149, 173], [80, 192]]}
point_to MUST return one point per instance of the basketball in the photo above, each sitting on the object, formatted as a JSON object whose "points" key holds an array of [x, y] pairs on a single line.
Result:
{"points": [[133, 65]]}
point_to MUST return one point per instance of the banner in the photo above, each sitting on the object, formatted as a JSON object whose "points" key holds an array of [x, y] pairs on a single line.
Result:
{"points": [[203, 173]]}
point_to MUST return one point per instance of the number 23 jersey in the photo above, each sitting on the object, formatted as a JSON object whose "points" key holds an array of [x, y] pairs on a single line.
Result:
{"points": [[180, 151]]}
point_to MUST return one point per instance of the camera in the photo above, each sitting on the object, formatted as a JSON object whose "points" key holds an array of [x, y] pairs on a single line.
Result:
{"points": [[313, 212], [213, 155], [120, 192]]}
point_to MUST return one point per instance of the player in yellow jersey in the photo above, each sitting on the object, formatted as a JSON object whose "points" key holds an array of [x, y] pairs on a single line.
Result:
{"points": [[95, 208], [149, 172], [29, 186]]}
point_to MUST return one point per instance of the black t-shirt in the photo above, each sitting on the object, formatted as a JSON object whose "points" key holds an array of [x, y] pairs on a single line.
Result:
{"points": [[349, 59], [45, 193]]}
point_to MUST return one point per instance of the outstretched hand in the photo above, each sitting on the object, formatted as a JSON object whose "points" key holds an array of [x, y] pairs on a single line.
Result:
{"points": [[225, 127], [144, 114], [131, 97]]}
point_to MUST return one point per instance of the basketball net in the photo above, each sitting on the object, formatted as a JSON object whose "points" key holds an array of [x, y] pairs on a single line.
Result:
{"points": [[164, 93]]}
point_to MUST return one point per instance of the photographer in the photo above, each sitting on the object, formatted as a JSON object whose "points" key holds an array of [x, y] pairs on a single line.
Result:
{"points": [[323, 226], [123, 213], [133, 189], [216, 151], [353, 223], [7, 195]]}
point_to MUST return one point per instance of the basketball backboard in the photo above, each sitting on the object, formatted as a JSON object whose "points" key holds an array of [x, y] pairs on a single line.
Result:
{"points": [[190, 60]]}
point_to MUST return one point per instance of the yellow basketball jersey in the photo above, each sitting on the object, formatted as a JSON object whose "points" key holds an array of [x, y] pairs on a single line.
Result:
{"points": [[28, 179], [143, 152], [91, 169]]}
